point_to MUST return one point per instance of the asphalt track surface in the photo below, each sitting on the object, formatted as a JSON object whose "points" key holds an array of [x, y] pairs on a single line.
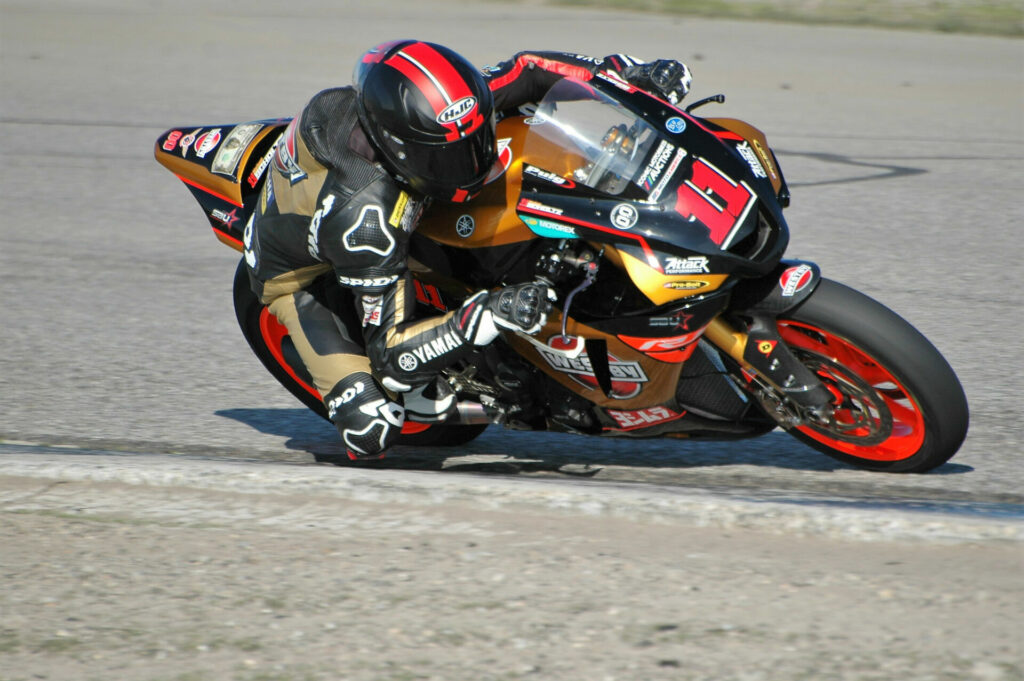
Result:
{"points": [[126, 387], [903, 151]]}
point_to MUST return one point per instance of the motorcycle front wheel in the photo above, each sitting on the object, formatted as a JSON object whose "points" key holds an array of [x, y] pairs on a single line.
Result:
{"points": [[898, 405]]}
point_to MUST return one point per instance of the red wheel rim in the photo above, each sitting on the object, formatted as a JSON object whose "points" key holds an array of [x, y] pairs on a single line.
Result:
{"points": [[273, 333], [908, 427]]}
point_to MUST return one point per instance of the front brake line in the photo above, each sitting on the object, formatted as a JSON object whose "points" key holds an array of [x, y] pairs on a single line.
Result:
{"points": [[591, 275]]}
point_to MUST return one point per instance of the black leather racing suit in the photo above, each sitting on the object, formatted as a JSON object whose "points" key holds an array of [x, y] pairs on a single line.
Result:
{"points": [[328, 207]]}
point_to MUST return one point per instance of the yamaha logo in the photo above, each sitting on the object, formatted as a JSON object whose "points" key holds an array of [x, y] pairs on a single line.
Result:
{"points": [[464, 226], [457, 111], [408, 362]]}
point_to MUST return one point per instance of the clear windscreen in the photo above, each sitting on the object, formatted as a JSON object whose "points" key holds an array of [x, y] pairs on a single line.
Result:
{"points": [[610, 142]]}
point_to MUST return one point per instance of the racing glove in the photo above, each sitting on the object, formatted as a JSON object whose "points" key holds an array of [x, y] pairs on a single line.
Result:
{"points": [[666, 77], [520, 307]]}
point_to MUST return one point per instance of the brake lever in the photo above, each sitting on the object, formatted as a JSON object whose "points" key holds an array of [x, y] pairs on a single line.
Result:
{"points": [[569, 353]]}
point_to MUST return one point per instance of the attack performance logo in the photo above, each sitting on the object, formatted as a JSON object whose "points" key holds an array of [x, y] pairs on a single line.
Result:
{"points": [[627, 377]]}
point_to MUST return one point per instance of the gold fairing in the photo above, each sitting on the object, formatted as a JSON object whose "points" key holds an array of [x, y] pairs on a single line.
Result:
{"points": [[758, 142], [188, 169], [661, 377], [490, 219]]}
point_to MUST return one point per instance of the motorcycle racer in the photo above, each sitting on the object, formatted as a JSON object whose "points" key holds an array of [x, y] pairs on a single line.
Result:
{"points": [[350, 179]]}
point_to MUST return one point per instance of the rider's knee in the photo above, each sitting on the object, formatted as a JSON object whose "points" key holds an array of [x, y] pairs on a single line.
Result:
{"points": [[367, 420]]}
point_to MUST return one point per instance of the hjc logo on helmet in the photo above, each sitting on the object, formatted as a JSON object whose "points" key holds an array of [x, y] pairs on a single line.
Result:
{"points": [[457, 111]]}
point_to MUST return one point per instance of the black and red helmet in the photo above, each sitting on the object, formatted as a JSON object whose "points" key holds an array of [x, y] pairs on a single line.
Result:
{"points": [[430, 114]]}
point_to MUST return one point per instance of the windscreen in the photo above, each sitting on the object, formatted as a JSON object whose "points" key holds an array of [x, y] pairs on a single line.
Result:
{"points": [[613, 142]]}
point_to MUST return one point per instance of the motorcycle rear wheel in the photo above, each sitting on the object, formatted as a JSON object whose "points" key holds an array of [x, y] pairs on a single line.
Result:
{"points": [[270, 342], [899, 406]]}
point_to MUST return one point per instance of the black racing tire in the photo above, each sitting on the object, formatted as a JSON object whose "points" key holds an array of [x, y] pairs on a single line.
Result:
{"points": [[270, 343], [443, 435], [901, 407]]}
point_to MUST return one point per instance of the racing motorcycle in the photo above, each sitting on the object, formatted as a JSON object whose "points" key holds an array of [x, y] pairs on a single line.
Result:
{"points": [[677, 316]]}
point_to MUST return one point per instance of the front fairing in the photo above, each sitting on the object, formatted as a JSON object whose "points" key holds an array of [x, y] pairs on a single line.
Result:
{"points": [[672, 192]]}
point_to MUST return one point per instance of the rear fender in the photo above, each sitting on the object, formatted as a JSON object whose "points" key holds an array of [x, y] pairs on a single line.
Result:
{"points": [[224, 167]]}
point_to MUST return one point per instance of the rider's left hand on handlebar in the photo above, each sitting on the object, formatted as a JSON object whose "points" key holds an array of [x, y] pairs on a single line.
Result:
{"points": [[521, 308], [667, 77]]}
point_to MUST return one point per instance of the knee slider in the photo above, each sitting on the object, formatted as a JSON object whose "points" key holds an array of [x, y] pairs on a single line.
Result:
{"points": [[366, 418]]}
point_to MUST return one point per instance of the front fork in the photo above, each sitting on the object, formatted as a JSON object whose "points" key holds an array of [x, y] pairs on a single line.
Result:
{"points": [[791, 393]]}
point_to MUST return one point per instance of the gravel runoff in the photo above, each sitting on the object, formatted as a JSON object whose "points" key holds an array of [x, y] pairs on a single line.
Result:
{"points": [[174, 569]]}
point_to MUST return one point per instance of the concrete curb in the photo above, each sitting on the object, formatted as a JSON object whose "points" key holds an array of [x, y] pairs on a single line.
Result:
{"points": [[834, 518]]}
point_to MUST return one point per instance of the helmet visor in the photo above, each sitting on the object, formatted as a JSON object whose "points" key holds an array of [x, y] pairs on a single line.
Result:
{"points": [[442, 170]]}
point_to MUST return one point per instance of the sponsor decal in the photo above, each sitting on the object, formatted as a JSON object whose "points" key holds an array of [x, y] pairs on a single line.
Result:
{"points": [[267, 195], [795, 279], [536, 205], [675, 349], [398, 212], [313, 240], [372, 310], [554, 230], [765, 347], [751, 158], [207, 142], [406, 362], [678, 320], [457, 111], [642, 418], [224, 218], [627, 377], [658, 190], [285, 154], [235, 143], [465, 226], [433, 349], [549, 176], [675, 125], [172, 140], [691, 285], [720, 203], [766, 159], [695, 264], [624, 216], [505, 152], [186, 142], [249, 252], [406, 213], [657, 164], [367, 282], [260, 168], [428, 294], [615, 79], [661, 344]]}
